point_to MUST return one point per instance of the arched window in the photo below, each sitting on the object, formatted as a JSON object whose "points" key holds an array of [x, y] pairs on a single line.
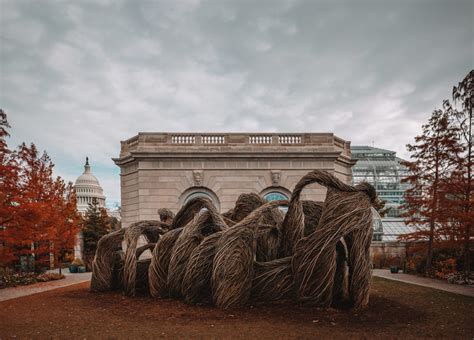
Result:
{"points": [[197, 194], [194, 192], [275, 196]]}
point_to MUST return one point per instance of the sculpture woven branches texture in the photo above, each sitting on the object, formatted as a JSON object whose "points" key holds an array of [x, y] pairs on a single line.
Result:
{"points": [[318, 253]]}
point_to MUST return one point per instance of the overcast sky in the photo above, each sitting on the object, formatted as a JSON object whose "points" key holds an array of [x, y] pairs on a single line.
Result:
{"points": [[79, 76]]}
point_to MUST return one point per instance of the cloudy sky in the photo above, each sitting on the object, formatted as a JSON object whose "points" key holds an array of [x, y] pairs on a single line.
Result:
{"points": [[79, 76]]}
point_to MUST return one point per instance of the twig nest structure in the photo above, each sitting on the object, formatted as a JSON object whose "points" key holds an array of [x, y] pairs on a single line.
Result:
{"points": [[273, 280], [206, 222], [318, 253], [232, 271], [106, 260], [160, 260], [198, 274], [151, 231]]}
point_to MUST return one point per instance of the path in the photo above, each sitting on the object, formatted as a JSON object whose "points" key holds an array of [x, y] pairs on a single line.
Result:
{"points": [[70, 279], [425, 282]]}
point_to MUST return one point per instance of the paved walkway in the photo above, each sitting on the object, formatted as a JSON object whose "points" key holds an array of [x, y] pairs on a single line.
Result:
{"points": [[425, 282], [70, 279]]}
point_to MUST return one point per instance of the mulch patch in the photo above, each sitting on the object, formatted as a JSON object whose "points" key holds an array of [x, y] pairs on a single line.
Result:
{"points": [[396, 309]]}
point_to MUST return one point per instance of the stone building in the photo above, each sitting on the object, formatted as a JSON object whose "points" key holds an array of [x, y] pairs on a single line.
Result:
{"points": [[87, 188], [167, 169]]}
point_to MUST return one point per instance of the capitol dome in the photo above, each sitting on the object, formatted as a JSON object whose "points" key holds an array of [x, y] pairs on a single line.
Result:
{"points": [[87, 188]]}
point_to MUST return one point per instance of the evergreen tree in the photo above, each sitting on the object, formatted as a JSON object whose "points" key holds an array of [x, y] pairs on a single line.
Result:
{"points": [[95, 225]]}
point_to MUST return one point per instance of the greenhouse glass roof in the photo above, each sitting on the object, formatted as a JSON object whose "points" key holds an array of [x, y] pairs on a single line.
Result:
{"points": [[392, 229], [385, 171]]}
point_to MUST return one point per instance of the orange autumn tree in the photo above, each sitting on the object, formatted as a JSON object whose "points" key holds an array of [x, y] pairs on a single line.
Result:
{"points": [[66, 224], [29, 237], [433, 158], [41, 219], [8, 188]]}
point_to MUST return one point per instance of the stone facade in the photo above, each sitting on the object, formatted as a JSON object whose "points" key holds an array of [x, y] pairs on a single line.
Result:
{"points": [[165, 169]]}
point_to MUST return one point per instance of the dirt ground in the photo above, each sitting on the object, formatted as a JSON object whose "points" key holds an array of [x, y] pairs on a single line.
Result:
{"points": [[396, 310]]}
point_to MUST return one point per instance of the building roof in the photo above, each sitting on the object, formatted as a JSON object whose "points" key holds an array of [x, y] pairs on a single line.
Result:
{"points": [[87, 178], [204, 146], [393, 228], [87, 186], [370, 158], [364, 149]]}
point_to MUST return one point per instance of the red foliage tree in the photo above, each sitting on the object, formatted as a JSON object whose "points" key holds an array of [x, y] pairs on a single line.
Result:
{"points": [[433, 156], [461, 188], [63, 234], [8, 187], [39, 216]]}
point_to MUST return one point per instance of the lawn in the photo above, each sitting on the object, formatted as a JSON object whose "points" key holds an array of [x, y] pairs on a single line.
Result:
{"points": [[396, 309]]}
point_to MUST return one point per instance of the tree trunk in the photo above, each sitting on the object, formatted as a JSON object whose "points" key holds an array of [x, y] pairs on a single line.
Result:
{"points": [[467, 252], [429, 255], [434, 213]]}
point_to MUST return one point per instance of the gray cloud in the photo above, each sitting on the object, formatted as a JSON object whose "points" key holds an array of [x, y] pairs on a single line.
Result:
{"points": [[78, 77]]}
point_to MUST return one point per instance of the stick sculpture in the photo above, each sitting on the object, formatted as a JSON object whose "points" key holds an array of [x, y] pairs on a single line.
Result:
{"points": [[318, 253]]}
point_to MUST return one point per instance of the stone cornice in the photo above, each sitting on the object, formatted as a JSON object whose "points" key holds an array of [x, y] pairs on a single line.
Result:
{"points": [[196, 155], [234, 146]]}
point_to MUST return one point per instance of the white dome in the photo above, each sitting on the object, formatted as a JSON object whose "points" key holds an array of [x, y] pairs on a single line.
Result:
{"points": [[88, 188], [87, 178]]}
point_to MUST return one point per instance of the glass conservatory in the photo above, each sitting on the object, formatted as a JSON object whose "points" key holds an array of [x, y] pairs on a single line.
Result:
{"points": [[383, 169]]}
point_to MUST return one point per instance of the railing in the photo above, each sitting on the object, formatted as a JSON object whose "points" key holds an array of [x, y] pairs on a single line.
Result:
{"points": [[153, 139], [289, 139], [183, 139], [211, 139], [260, 139]]}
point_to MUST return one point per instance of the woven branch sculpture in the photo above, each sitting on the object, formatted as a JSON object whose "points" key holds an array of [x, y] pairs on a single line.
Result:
{"points": [[318, 253]]}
